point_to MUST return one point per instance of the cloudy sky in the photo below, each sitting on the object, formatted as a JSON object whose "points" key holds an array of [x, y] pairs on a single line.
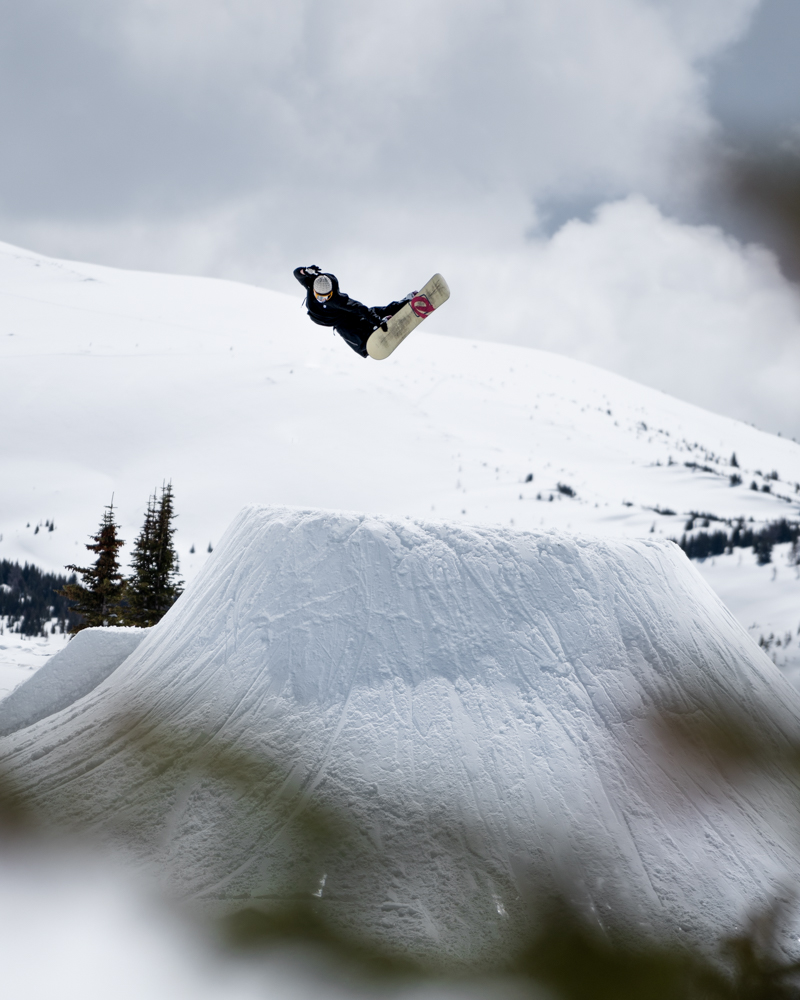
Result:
{"points": [[555, 159]]}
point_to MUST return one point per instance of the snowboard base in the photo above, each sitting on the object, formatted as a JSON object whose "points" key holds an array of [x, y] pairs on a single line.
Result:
{"points": [[382, 342]]}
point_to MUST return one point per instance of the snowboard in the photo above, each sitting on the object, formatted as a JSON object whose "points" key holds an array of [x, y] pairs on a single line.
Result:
{"points": [[382, 342]]}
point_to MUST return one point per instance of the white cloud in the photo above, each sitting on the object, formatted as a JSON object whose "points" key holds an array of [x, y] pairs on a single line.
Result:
{"points": [[702, 29], [177, 104], [275, 126], [553, 96], [683, 308]]}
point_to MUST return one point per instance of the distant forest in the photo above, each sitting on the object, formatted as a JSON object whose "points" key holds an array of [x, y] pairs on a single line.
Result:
{"points": [[703, 544], [28, 601]]}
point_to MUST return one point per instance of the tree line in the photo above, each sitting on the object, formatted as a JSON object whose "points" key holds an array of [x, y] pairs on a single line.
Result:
{"points": [[703, 544], [29, 599], [104, 596]]}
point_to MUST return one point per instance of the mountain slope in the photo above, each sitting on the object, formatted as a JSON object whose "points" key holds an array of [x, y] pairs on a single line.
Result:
{"points": [[117, 381]]}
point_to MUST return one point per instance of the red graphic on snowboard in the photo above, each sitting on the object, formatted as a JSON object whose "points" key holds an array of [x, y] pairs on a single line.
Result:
{"points": [[421, 306]]}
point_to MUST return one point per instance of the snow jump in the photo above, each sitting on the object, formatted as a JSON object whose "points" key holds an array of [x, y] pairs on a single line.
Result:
{"points": [[371, 332]]}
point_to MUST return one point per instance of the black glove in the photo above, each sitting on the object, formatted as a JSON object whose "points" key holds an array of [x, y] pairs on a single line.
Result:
{"points": [[379, 321]]}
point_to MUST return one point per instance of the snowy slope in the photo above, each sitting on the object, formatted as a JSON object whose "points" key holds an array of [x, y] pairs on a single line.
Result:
{"points": [[452, 687], [71, 673], [119, 380], [766, 599], [21, 656]]}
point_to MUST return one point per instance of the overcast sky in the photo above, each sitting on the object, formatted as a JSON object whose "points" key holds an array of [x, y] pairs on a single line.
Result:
{"points": [[551, 157]]}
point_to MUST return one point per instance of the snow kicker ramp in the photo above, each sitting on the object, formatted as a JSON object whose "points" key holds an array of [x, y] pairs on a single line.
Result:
{"points": [[477, 701]]}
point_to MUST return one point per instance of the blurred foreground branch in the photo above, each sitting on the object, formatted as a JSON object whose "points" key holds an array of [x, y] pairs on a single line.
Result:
{"points": [[563, 952], [767, 187]]}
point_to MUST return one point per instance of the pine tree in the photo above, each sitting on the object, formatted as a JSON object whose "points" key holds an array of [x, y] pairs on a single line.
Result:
{"points": [[97, 598], [154, 585], [141, 582]]}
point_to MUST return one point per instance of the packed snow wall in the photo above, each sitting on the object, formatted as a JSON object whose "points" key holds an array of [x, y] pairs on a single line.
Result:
{"points": [[88, 658], [477, 703]]}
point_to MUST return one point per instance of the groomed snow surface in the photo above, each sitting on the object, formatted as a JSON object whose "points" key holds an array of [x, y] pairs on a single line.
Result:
{"points": [[479, 703]]}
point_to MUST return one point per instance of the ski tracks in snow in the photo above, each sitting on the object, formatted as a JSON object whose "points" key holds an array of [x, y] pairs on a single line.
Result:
{"points": [[477, 700]]}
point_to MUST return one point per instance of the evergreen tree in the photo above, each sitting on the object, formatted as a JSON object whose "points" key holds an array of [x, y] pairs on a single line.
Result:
{"points": [[154, 585], [97, 598], [141, 582]]}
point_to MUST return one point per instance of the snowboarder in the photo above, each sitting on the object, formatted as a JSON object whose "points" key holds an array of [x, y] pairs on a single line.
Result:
{"points": [[352, 320]]}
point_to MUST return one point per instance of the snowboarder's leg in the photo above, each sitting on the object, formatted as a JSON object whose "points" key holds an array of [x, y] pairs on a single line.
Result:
{"points": [[354, 340], [392, 308]]}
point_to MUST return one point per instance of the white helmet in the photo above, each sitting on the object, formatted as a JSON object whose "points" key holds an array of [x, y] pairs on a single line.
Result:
{"points": [[323, 288]]}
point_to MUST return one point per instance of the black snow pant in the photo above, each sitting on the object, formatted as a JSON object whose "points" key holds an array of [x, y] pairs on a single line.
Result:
{"points": [[357, 333]]}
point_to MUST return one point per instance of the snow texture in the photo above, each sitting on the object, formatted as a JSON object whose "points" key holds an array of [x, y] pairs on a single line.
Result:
{"points": [[74, 671], [477, 698]]}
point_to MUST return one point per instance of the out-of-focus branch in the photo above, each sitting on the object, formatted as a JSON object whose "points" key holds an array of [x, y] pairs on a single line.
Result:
{"points": [[766, 186]]}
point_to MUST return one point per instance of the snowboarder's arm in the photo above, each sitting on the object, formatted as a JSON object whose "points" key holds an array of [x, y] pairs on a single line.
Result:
{"points": [[306, 275]]}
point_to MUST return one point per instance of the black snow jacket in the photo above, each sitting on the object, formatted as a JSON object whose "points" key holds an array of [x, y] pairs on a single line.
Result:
{"points": [[352, 320]]}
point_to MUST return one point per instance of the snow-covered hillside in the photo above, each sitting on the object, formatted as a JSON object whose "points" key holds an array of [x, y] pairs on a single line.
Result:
{"points": [[114, 381], [477, 699]]}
